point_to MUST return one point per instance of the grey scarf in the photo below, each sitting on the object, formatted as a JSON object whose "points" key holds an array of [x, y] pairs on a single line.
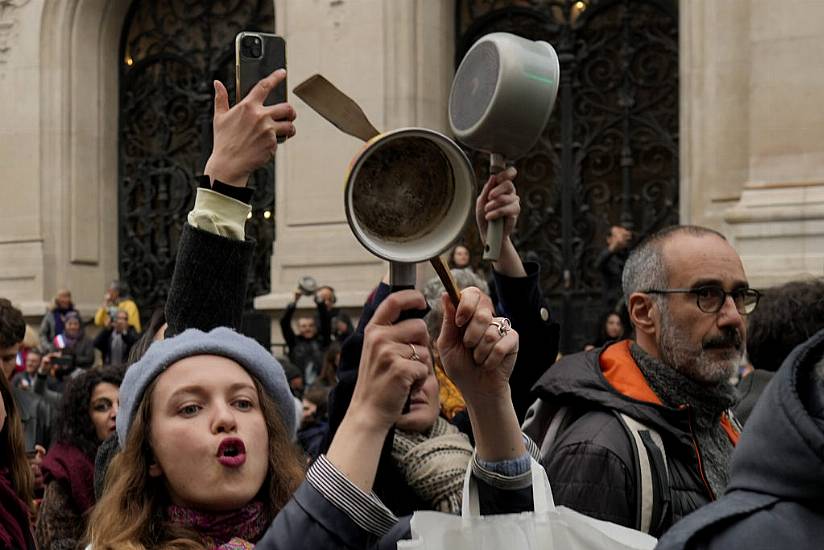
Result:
{"points": [[706, 403]]}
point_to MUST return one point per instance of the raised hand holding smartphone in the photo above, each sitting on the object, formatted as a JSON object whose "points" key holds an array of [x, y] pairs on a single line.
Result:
{"points": [[246, 135]]}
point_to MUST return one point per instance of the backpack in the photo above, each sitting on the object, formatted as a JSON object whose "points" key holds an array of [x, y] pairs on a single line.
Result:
{"points": [[544, 422]]}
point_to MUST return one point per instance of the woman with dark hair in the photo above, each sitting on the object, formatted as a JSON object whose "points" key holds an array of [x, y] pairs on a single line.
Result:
{"points": [[15, 476], [329, 373], [610, 328], [460, 258], [314, 422], [87, 418]]}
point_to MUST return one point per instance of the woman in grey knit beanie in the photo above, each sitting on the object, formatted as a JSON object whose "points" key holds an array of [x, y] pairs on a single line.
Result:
{"points": [[205, 427]]}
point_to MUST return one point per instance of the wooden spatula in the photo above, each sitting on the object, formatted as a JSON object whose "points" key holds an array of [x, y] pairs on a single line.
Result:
{"points": [[336, 107]]}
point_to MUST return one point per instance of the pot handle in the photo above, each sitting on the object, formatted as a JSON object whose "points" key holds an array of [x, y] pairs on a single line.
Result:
{"points": [[495, 229]]}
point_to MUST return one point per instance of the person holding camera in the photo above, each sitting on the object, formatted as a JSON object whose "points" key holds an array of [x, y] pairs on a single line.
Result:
{"points": [[306, 347], [76, 352], [116, 298], [611, 262], [115, 341]]}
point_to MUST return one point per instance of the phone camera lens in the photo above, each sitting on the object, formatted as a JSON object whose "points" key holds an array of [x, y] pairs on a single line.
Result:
{"points": [[251, 46]]}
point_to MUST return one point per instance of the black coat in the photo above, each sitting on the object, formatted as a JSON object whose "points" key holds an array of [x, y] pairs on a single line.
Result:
{"points": [[307, 353], [775, 497], [592, 467], [103, 342]]}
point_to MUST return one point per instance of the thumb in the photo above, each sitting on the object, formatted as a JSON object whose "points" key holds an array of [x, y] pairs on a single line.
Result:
{"points": [[221, 98]]}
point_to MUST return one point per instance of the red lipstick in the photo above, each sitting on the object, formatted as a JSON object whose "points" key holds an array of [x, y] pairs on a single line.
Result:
{"points": [[231, 452]]}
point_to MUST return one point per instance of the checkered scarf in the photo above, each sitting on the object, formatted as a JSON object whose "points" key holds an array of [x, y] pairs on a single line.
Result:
{"points": [[434, 464]]}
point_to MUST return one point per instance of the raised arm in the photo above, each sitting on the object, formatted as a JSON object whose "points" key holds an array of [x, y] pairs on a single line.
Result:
{"points": [[386, 376], [286, 323], [478, 352], [214, 256], [519, 291]]}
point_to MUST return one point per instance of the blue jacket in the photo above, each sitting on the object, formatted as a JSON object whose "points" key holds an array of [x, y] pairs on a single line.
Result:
{"points": [[775, 498]]}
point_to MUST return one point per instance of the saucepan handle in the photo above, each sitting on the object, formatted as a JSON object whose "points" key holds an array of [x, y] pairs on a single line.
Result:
{"points": [[495, 229]]}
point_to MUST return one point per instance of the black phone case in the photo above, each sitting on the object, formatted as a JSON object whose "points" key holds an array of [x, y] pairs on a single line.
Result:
{"points": [[249, 71]]}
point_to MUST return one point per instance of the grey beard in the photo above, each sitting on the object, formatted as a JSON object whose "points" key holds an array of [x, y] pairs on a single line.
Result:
{"points": [[703, 366]]}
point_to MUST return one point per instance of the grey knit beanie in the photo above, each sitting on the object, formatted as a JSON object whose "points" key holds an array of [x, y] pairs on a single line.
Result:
{"points": [[221, 341]]}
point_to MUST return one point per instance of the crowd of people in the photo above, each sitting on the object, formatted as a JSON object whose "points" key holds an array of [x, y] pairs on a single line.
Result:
{"points": [[697, 416]]}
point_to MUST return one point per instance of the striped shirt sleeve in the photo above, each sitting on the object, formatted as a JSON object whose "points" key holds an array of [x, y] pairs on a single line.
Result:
{"points": [[365, 510]]}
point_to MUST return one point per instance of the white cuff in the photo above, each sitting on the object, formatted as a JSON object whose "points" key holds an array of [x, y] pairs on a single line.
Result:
{"points": [[219, 214]]}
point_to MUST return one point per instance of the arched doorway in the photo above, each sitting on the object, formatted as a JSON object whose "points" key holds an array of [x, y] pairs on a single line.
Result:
{"points": [[610, 152], [171, 51]]}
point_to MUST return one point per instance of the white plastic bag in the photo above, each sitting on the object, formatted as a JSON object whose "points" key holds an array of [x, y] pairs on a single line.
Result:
{"points": [[547, 528]]}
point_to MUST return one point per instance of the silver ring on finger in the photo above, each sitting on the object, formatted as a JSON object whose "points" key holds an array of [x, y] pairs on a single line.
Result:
{"points": [[503, 324], [414, 356]]}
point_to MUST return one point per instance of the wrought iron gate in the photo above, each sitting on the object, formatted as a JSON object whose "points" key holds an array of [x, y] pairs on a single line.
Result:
{"points": [[610, 152], [171, 51]]}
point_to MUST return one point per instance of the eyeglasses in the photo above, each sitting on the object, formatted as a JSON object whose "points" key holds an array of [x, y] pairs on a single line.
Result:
{"points": [[710, 299]]}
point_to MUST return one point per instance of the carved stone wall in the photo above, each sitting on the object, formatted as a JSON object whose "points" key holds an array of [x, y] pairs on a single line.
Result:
{"points": [[751, 134], [9, 26]]}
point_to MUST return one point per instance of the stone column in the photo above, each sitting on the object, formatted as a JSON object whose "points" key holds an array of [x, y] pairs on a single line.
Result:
{"points": [[21, 236], [393, 58], [714, 56], [778, 224], [58, 149]]}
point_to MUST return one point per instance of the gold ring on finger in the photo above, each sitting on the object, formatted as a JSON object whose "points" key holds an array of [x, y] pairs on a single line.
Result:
{"points": [[414, 356]]}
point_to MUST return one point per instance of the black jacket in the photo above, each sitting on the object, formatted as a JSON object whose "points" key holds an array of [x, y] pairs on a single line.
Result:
{"points": [[593, 467], [36, 416], [307, 353], [611, 266], [103, 342], [775, 497]]}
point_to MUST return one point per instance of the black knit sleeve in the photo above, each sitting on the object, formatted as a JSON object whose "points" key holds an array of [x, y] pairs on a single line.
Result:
{"points": [[208, 287]]}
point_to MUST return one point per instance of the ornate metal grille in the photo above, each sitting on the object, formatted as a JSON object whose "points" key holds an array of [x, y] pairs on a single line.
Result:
{"points": [[610, 152], [171, 51]]}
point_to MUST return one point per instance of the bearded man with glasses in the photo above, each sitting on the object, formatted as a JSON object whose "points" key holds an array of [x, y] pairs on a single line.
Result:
{"points": [[640, 432]]}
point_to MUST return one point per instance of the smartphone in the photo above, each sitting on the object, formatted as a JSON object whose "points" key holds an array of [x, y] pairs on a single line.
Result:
{"points": [[63, 361], [257, 55]]}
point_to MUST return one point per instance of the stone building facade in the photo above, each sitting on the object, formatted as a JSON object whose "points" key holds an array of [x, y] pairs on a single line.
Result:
{"points": [[751, 135]]}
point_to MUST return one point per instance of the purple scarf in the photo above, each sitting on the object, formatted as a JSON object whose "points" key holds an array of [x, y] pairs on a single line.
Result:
{"points": [[227, 530], [15, 529], [67, 463]]}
